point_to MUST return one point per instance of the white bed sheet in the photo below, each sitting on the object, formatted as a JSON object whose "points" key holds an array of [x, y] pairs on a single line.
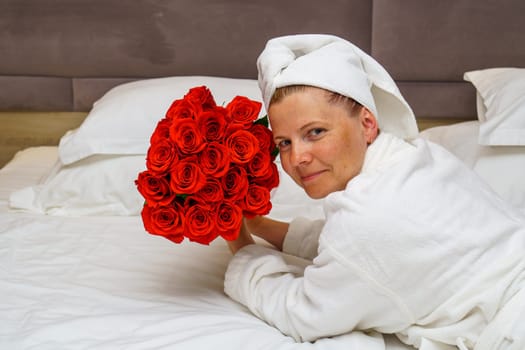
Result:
{"points": [[104, 283]]}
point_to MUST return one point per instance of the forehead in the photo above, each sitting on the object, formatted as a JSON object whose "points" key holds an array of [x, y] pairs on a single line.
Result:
{"points": [[303, 106]]}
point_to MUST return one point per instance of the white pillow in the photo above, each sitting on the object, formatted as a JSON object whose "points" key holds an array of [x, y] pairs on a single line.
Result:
{"points": [[100, 160], [500, 105], [502, 167], [28, 166], [121, 122], [97, 185]]}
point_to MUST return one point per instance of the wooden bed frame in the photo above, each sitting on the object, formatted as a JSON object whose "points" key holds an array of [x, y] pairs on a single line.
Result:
{"points": [[60, 56]]}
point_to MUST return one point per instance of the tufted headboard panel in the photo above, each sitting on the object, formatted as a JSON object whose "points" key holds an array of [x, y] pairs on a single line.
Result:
{"points": [[64, 54], [428, 45]]}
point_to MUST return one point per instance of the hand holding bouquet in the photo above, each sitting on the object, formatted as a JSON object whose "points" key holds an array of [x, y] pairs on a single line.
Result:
{"points": [[207, 167]]}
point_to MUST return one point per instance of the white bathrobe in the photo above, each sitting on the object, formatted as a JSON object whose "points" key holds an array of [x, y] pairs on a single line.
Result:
{"points": [[415, 245]]}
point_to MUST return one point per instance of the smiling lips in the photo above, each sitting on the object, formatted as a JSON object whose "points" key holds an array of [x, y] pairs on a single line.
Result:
{"points": [[310, 177]]}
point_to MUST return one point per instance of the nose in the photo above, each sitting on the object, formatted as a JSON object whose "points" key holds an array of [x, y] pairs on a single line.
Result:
{"points": [[300, 154]]}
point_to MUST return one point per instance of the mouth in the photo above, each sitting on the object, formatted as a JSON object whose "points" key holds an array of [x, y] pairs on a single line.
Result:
{"points": [[311, 176]]}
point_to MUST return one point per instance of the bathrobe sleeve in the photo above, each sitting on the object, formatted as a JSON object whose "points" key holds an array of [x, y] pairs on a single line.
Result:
{"points": [[330, 297], [302, 239]]}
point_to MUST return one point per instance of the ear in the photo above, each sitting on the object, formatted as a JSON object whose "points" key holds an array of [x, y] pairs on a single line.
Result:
{"points": [[369, 124]]}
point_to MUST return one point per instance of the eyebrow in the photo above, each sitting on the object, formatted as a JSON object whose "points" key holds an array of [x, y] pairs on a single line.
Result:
{"points": [[309, 125], [278, 139]]}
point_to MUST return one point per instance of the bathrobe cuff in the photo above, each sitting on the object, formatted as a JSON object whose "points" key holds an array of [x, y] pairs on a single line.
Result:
{"points": [[302, 239], [255, 261]]}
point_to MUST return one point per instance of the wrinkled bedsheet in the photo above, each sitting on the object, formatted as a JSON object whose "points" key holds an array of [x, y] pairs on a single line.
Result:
{"points": [[104, 283]]}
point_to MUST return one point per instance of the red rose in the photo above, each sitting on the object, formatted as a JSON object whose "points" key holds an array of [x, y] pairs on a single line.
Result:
{"points": [[187, 177], [200, 223], [235, 183], [265, 137], [186, 135], [257, 201], [229, 220], [154, 188], [270, 179], [162, 131], [213, 123], [201, 96], [161, 156], [211, 192], [183, 109], [243, 146], [166, 221], [207, 167], [259, 165], [215, 159], [243, 110]]}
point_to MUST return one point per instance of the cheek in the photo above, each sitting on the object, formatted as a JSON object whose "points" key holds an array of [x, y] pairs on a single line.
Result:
{"points": [[285, 163], [354, 158], [288, 169], [349, 156]]}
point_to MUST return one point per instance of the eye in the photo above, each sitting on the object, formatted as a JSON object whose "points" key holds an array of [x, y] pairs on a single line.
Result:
{"points": [[283, 144], [316, 132]]}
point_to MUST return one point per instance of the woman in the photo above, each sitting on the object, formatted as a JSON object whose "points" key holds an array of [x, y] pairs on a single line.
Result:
{"points": [[413, 243]]}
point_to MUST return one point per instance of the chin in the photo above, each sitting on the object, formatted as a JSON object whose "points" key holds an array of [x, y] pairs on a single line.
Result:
{"points": [[320, 192], [316, 194]]}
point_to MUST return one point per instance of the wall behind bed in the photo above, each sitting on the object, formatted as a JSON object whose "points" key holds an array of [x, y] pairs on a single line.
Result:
{"points": [[61, 55]]}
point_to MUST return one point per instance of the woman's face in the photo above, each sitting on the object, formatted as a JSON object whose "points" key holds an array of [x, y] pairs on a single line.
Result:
{"points": [[321, 146]]}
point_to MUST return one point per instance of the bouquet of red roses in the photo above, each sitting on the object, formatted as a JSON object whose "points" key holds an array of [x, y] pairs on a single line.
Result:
{"points": [[207, 166]]}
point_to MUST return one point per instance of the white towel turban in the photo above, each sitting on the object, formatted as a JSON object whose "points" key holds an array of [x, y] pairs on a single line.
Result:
{"points": [[335, 64]]}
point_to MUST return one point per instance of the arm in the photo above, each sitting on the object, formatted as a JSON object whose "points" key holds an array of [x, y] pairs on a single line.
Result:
{"points": [[244, 239], [272, 231], [299, 238], [330, 297]]}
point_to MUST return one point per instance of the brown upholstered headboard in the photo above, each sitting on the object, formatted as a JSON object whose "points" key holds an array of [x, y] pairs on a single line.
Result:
{"points": [[62, 55]]}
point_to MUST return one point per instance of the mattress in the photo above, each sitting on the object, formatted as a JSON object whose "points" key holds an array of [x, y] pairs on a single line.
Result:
{"points": [[102, 282]]}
